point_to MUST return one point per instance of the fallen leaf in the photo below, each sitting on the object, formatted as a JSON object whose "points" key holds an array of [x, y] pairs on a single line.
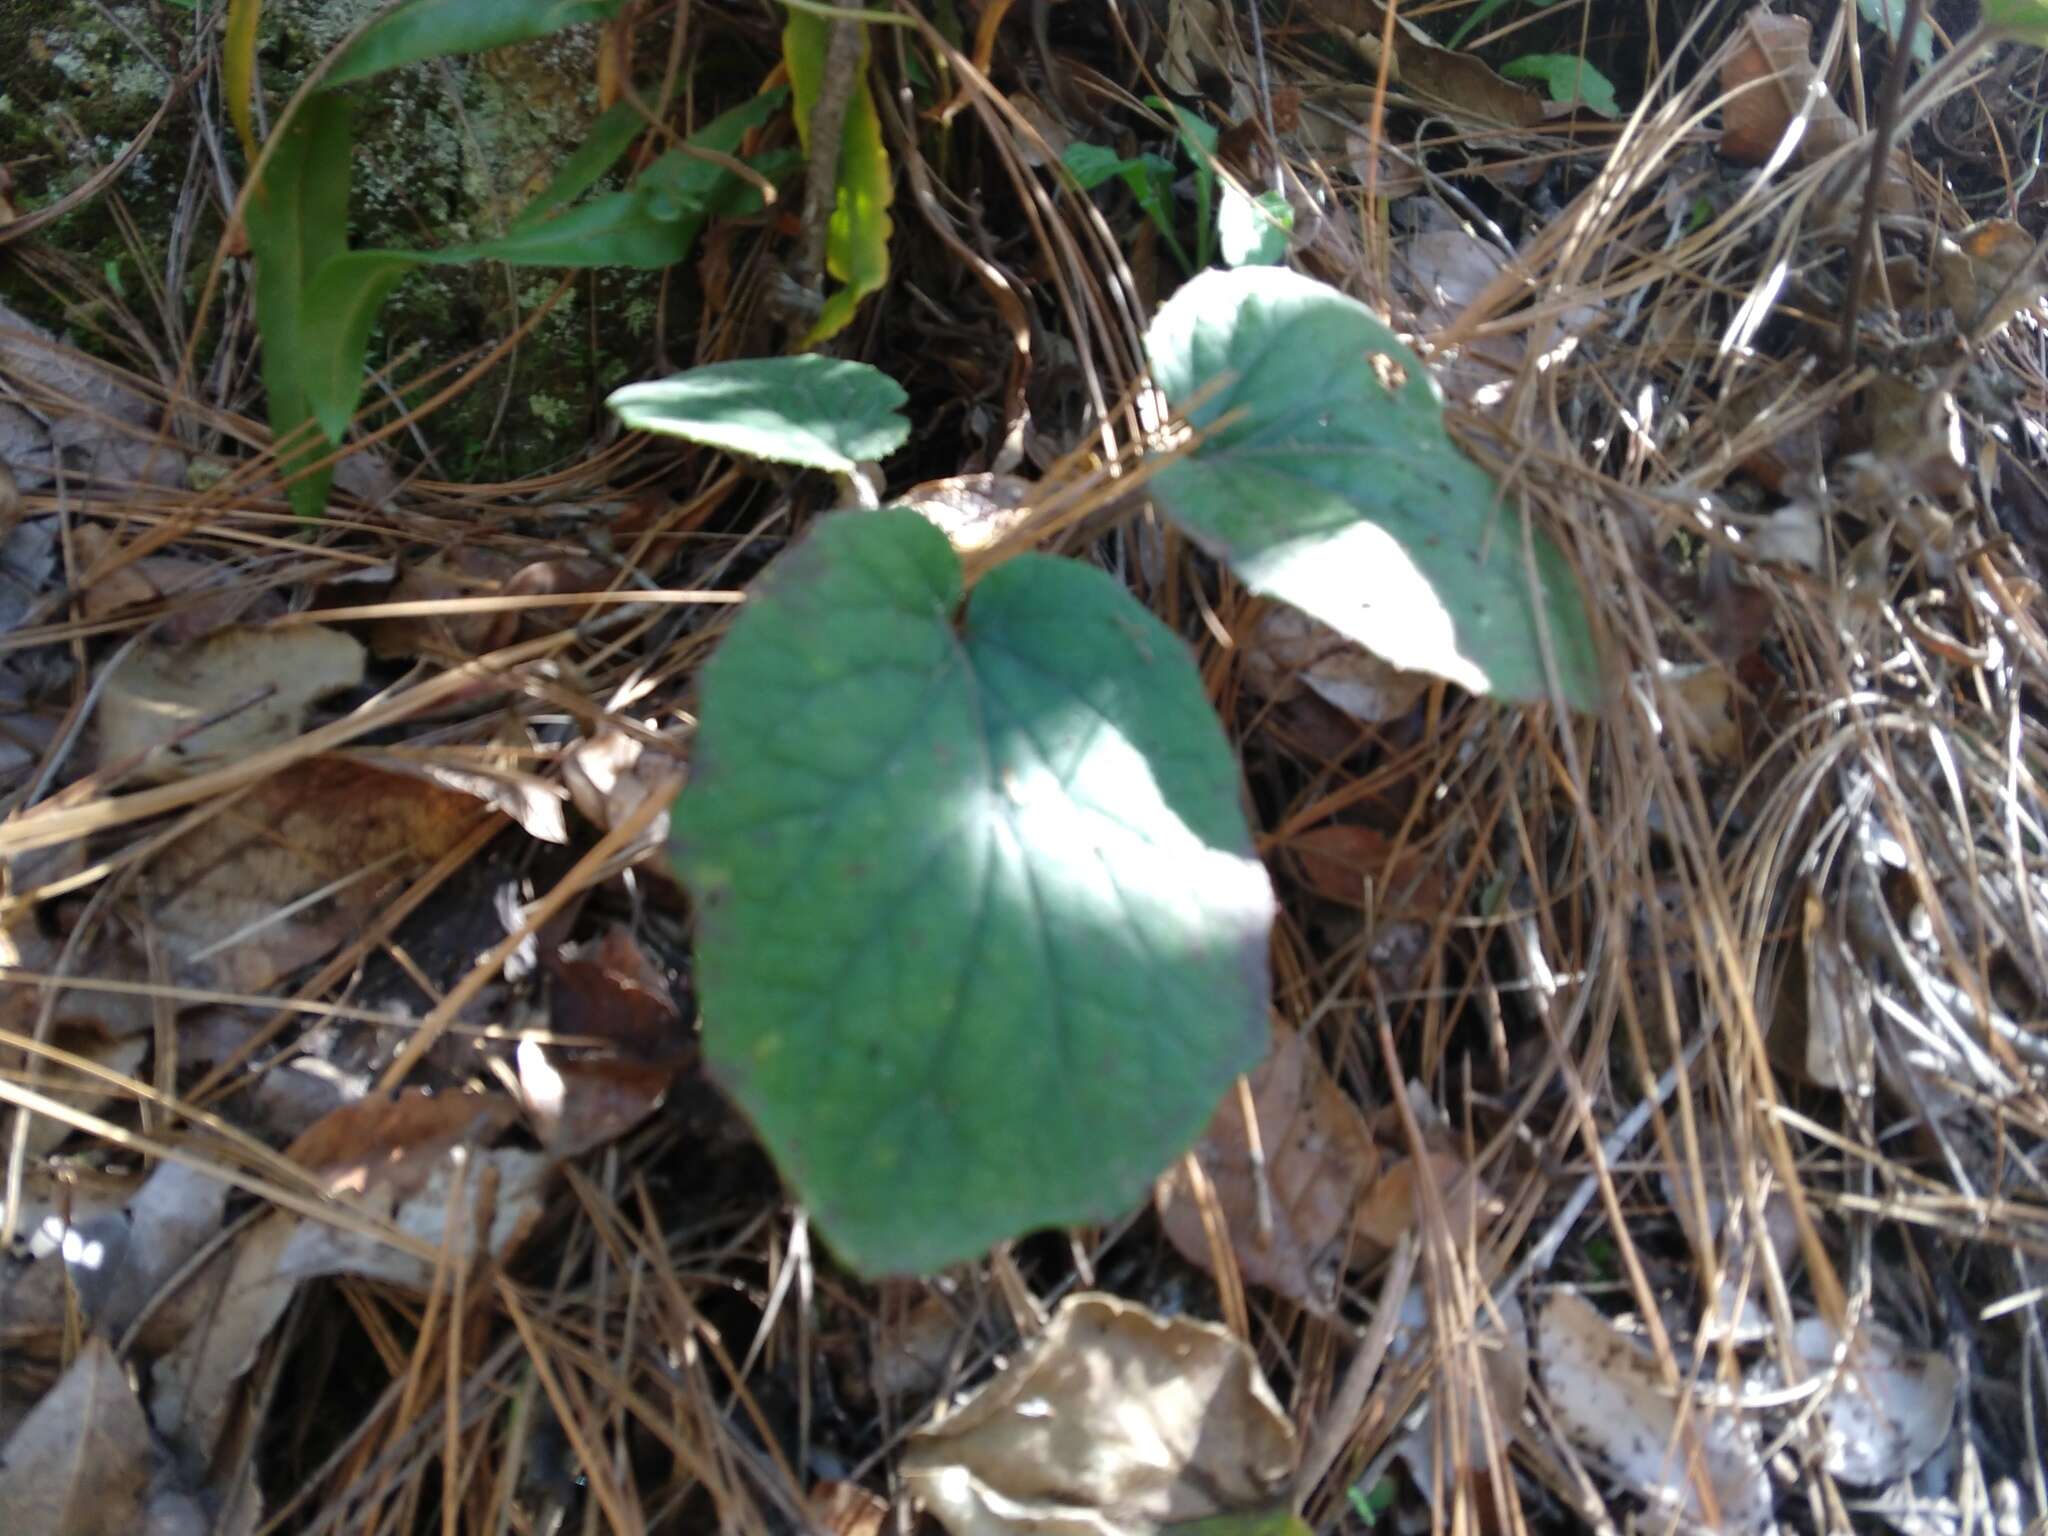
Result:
{"points": [[1975, 267], [610, 774], [606, 990], [911, 1352], [1888, 1411], [413, 1163], [1768, 80], [1393, 1206], [1289, 651], [465, 571], [532, 802], [1319, 1159], [293, 868], [1339, 859], [80, 1463], [77, 410], [1459, 82], [170, 709], [1498, 1338], [1609, 1398], [974, 512], [202, 597], [1841, 1047], [1697, 709], [1113, 1421]]}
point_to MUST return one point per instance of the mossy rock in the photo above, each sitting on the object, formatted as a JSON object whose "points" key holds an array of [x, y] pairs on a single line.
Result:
{"points": [[447, 152]]}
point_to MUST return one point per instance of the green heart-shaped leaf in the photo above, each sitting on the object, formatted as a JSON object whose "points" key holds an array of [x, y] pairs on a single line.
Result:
{"points": [[820, 412], [981, 939], [1336, 488]]}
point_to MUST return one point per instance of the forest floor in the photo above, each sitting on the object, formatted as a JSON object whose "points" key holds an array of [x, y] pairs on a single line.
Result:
{"points": [[1652, 1136]]}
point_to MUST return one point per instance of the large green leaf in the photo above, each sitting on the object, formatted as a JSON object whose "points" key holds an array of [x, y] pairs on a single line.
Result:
{"points": [[430, 29], [2026, 20], [1337, 489], [980, 938], [819, 412], [297, 220], [652, 224]]}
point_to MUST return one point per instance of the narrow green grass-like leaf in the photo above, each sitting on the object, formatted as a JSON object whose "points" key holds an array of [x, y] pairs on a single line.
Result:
{"points": [[981, 935], [298, 220], [1567, 78], [652, 224], [432, 29]]}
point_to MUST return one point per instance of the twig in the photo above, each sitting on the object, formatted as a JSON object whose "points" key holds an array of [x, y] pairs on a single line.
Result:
{"points": [[1880, 155], [821, 180]]}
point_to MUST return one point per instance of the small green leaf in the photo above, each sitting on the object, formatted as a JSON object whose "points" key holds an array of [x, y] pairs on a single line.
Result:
{"points": [[431, 29], [857, 244], [1149, 177], [297, 220], [1888, 16], [981, 937], [1338, 490], [820, 412], [1567, 77], [1253, 231], [1371, 1505]]}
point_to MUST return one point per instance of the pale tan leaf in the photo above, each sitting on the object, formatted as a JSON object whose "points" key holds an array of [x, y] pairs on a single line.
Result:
{"points": [[1890, 1408], [1289, 651], [195, 1383], [1319, 1160], [974, 512], [79, 1465], [1609, 1397], [253, 685], [1113, 1421], [1498, 1339], [1393, 1206]]}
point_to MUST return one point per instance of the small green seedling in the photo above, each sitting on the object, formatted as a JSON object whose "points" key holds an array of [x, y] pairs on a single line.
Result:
{"points": [[981, 932]]}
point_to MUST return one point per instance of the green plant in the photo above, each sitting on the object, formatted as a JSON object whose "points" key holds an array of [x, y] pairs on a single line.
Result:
{"points": [[317, 301], [1567, 78], [981, 933], [1246, 230]]}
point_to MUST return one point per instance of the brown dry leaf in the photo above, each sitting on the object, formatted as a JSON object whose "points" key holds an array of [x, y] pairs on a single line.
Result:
{"points": [[1113, 1421], [532, 802], [1608, 1396], [1393, 1206], [1768, 77], [847, 1509], [1459, 82], [220, 894], [1499, 1336], [161, 579], [974, 512], [1976, 266], [1890, 1409], [415, 1162], [468, 571], [1698, 708], [1841, 1047], [1319, 1160], [254, 685], [80, 1463], [1339, 859], [1289, 651], [910, 1356], [607, 990]]}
